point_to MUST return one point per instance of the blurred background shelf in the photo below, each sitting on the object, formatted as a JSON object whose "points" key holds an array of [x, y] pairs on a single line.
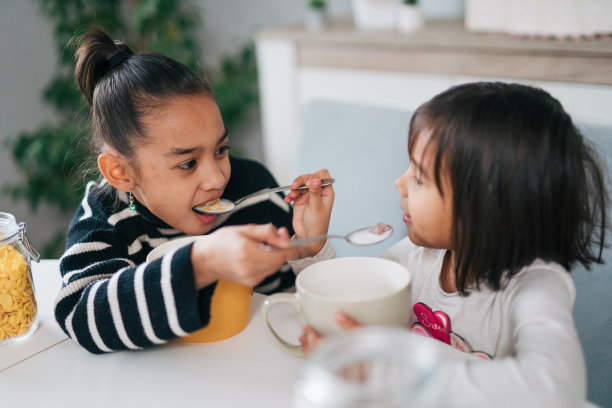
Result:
{"points": [[444, 46], [391, 69]]}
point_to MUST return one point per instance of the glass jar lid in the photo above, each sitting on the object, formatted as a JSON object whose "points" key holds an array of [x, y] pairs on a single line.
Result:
{"points": [[10, 230]]}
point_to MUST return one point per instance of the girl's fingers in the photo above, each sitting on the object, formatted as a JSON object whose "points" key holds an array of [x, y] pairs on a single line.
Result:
{"points": [[293, 195], [314, 192], [313, 181], [345, 321], [309, 340], [270, 235], [300, 180]]}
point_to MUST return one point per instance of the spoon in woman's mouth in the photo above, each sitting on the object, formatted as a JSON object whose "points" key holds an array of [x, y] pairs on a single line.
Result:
{"points": [[362, 236], [223, 205]]}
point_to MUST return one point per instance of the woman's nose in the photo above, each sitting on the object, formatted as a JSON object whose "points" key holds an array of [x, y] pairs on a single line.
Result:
{"points": [[212, 177]]}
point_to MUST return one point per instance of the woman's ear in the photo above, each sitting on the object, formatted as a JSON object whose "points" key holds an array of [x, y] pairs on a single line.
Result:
{"points": [[115, 171]]}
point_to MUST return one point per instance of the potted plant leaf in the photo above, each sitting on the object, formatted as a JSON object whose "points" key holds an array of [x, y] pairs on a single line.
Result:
{"points": [[409, 16]]}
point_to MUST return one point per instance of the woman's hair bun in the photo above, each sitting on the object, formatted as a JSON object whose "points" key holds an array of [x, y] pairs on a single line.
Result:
{"points": [[96, 54]]}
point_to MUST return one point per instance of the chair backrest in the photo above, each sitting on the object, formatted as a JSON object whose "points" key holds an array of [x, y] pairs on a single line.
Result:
{"points": [[365, 149], [593, 307]]}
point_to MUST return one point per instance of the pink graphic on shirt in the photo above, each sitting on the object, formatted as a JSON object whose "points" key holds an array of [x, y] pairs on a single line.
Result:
{"points": [[438, 326], [432, 324]]}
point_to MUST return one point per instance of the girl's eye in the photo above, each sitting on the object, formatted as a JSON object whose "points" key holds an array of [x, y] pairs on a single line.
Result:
{"points": [[415, 174], [188, 165], [222, 150]]}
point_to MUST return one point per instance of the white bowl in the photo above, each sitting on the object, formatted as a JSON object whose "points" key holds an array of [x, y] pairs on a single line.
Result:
{"points": [[170, 246]]}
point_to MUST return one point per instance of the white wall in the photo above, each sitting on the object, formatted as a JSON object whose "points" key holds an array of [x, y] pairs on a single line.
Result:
{"points": [[27, 63], [228, 23]]}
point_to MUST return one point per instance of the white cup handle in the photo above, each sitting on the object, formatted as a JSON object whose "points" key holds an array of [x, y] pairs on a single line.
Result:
{"points": [[290, 298]]}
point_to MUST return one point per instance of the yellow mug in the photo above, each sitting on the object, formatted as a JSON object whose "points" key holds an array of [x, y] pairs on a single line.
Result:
{"points": [[230, 308], [230, 312]]}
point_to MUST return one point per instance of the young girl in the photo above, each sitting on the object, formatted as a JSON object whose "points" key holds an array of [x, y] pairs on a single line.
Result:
{"points": [[163, 150], [502, 197]]}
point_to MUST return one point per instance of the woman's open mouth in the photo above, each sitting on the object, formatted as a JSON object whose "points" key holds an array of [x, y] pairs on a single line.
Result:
{"points": [[203, 216]]}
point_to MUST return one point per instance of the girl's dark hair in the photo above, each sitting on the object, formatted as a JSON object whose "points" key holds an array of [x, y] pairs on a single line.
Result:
{"points": [[121, 87], [525, 182]]}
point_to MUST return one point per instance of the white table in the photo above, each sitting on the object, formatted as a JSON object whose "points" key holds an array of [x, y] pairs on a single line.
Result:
{"points": [[48, 369], [247, 370]]}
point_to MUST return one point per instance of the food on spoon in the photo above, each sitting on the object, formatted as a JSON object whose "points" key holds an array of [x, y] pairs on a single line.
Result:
{"points": [[380, 228], [215, 206]]}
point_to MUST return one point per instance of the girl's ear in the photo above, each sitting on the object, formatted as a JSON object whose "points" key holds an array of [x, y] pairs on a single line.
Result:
{"points": [[115, 171]]}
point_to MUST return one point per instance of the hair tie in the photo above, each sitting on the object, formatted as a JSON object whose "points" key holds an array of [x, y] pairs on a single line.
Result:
{"points": [[119, 57]]}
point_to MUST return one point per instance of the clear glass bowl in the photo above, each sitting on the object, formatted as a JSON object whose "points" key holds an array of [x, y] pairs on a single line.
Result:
{"points": [[378, 367]]}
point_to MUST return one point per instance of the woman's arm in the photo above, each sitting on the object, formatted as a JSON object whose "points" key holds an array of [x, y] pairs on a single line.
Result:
{"points": [[107, 303]]}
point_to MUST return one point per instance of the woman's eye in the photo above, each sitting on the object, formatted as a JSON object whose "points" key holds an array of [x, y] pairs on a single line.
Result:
{"points": [[188, 165], [222, 150]]}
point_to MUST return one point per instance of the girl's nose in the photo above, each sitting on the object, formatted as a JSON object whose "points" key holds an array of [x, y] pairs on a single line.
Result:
{"points": [[212, 177], [400, 184]]}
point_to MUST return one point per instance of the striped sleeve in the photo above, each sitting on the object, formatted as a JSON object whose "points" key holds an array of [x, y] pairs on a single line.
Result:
{"points": [[131, 307]]}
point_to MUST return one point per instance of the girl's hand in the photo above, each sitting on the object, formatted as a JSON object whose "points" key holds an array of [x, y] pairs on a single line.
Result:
{"points": [[311, 209], [310, 339], [234, 254]]}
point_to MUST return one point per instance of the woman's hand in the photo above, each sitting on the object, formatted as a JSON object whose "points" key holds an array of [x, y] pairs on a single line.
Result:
{"points": [[311, 209], [234, 254], [310, 339]]}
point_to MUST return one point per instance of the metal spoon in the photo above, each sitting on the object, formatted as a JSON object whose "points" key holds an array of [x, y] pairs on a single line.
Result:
{"points": [[362, 236], [223, 205]]}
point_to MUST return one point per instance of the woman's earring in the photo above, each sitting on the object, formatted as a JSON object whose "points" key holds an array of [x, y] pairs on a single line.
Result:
{"points": [[131, 205]]}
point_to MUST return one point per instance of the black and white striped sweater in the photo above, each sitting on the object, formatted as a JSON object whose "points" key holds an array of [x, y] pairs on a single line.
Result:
{"points": [[112, 299]]}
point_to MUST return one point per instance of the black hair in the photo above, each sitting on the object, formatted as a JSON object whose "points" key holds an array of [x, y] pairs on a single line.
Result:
{"points": [[121, 87], [525, 182]]}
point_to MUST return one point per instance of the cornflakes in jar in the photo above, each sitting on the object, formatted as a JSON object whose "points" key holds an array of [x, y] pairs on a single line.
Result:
{"points": [[18, 308]]}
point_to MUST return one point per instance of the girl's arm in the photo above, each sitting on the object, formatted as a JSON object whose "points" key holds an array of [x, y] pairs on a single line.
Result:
{"points": [[108, 303], [547, 369]]}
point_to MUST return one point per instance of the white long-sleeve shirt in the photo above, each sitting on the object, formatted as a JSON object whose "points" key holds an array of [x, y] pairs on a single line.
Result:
{"points": [[526, 329], [524, 345]]}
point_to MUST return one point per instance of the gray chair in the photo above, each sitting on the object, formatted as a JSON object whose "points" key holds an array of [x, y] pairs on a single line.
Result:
{"points": [[593, 308], [365, 149]]}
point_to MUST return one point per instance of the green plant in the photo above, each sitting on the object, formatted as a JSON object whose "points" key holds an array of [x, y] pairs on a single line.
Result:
{"points": [[52, 158], [410, 2], [317, 4]]}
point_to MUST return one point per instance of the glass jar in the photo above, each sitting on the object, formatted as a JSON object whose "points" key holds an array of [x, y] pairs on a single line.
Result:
{"points": [[371, 367], [18, 308]]}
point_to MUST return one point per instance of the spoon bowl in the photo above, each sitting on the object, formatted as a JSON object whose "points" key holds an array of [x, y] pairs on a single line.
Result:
{"points": [[223, 205], [370, 235]]}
